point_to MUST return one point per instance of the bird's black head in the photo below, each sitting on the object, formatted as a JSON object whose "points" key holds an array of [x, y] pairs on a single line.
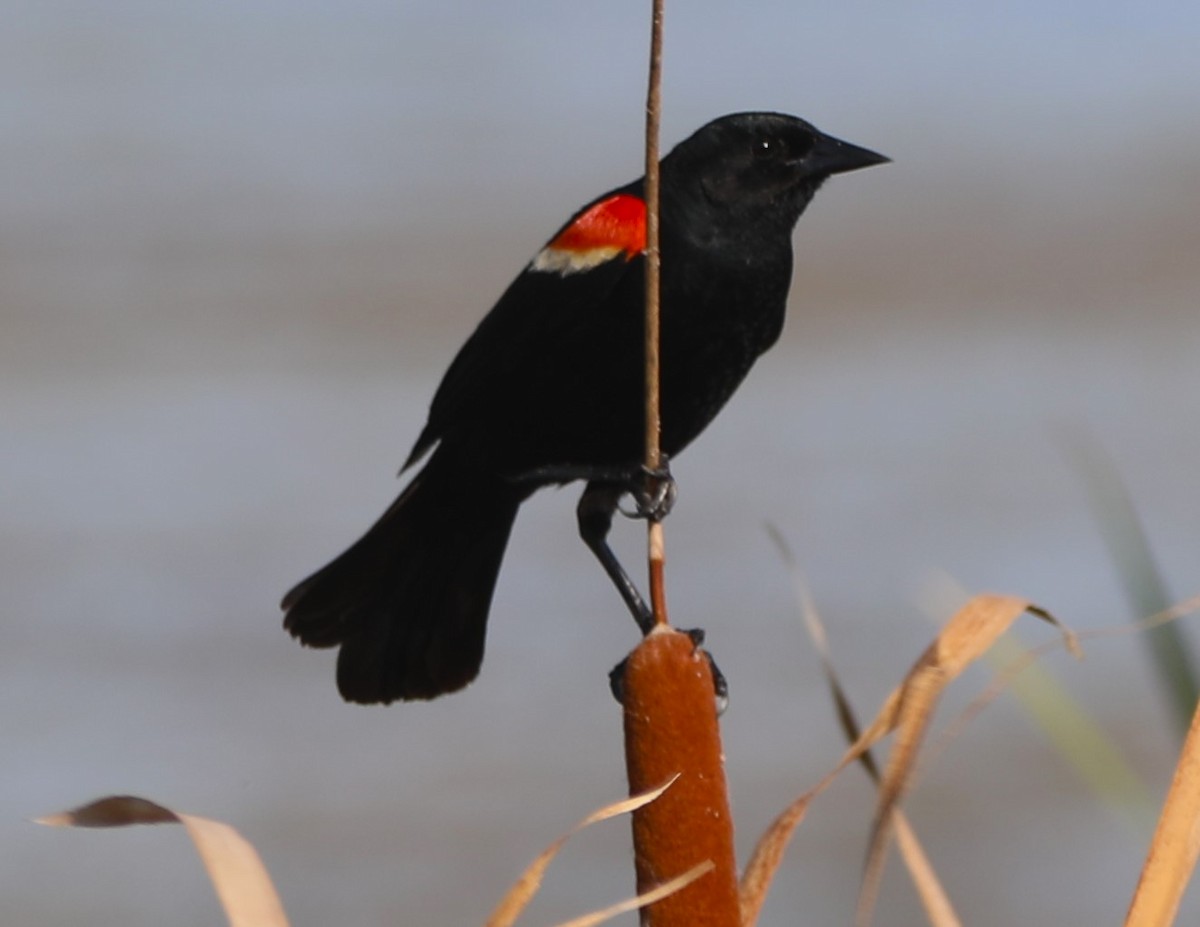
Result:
{"points": [[760, 163]]}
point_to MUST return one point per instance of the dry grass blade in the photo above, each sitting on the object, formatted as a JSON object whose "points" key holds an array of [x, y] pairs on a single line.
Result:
{"points": [[237, 873], [764, 863], [816, 632], [934, 898], [964, 639], [517, 898], [1173, 852], [656, 894]]}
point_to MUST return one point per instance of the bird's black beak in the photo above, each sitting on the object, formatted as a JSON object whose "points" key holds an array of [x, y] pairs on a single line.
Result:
{"points": [[833, 156]]}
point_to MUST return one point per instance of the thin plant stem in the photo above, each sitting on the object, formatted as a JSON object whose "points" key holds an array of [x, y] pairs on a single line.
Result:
{"points": [[653, 458]]}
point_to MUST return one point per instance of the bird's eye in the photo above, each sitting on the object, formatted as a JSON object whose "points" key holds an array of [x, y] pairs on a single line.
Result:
{"points": [[783, 147], [765, 148]]}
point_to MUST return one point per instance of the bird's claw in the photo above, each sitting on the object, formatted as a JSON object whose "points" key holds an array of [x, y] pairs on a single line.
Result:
{"points": [[616, 677], [720, 683], [653, 491]]}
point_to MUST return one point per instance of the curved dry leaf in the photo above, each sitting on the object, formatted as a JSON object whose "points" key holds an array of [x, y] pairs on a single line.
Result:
{"points": [[908, 708], [237, 873], [965, 638], [517, 898], [114, 811], [768, 852], [655, 894]]}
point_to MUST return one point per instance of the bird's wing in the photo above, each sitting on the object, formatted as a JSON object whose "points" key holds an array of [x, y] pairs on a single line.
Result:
{"points": [[555, 299]]}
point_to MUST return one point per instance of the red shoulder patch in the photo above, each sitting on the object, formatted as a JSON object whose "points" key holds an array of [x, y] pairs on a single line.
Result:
{"points": [[618, 222], [613, 226]]}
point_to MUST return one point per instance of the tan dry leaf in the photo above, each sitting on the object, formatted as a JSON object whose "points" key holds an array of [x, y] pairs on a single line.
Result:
{"points": [[517, 898], [237, 873], [1176, 844]]}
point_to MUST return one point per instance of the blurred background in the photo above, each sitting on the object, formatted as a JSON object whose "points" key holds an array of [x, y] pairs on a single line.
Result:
{"points": [[240, 242]]}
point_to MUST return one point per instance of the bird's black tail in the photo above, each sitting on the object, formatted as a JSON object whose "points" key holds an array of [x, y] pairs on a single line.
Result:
{"points": [[408, 602]]}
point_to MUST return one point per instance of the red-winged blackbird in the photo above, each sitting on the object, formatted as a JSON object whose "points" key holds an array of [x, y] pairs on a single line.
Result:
{"points": [[549, 388]]}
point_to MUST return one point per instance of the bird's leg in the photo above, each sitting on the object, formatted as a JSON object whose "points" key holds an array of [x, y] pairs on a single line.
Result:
{"points": [[653, 492], [653, 495], [595, 514]]}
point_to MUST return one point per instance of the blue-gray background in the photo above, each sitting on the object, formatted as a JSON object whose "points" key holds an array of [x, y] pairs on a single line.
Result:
{"points": [[239, 243]]}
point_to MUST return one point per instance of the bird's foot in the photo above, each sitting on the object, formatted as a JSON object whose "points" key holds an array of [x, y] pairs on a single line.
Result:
{"points": [[653, 491]]}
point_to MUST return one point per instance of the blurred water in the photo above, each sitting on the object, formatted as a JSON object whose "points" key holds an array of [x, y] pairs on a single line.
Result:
{"points": [[237, 248]]}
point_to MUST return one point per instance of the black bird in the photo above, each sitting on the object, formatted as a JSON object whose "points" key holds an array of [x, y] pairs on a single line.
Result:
{"points": [[549, 389]]}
